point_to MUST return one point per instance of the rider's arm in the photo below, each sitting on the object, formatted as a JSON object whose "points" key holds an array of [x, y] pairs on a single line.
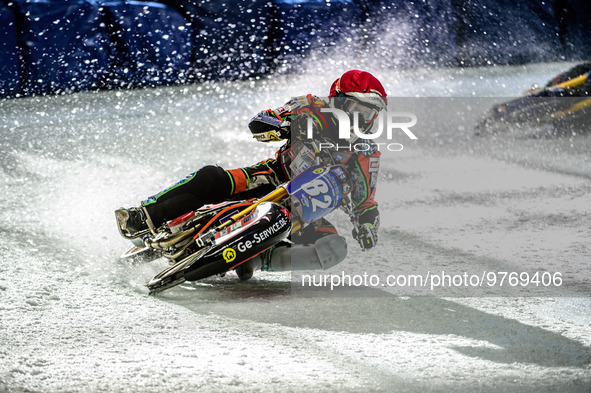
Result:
{"points": [[364, 178], [267, 126], [276, 124]]}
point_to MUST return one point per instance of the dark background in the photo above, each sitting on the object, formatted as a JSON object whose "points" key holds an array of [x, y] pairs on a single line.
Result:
{"points": [[61, 46]]}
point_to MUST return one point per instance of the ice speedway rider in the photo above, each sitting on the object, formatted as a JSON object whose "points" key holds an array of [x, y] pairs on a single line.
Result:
{"points": [[355, 91]]}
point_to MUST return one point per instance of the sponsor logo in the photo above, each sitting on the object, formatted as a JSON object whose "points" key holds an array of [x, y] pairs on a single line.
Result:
{"points": [[273, 137], [301, 158], [305, 202], [272, 230], [340, 173], [229, 254], [269, 136], [235, 226], [250, 217], [374, 164], [261, 236], [318, 171], [291, 153], [221, 233]]}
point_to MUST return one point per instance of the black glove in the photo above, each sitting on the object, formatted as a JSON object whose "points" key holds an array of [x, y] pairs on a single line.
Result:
{"points": [[366, 235]]}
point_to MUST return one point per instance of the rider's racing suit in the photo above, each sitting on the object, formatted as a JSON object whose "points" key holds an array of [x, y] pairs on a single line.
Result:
{"points": [[213, 184]]}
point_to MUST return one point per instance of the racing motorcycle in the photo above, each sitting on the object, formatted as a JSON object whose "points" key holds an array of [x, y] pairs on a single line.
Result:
{"points": [[565, 106], [215, 239]]}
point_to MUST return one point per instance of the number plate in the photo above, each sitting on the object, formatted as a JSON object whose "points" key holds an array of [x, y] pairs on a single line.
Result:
{"points": [[318, 192]]}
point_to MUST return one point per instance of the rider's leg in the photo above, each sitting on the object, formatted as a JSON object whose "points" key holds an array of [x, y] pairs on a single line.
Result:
{"points": [[317, 246], [210, 184], [314, 231]]}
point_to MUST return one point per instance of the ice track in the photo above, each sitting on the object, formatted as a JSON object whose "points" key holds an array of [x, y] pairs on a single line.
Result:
{"points": [[73, 318]]}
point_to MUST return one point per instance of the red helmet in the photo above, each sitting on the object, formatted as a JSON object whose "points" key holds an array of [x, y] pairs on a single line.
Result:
{"points": [[359, 84], [361, 92]]}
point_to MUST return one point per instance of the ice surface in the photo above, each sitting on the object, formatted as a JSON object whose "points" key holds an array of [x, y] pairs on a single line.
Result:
{"points": [[75, 318]]}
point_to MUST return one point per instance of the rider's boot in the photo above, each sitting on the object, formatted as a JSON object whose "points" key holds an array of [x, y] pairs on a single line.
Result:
{"points": [[325, 253], [132, 221]]}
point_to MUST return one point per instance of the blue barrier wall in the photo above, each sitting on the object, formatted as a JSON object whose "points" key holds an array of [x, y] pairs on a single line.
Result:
{"points": [[573, 18], [62, 46], [231, 39], [151, 44], [320, 26], [9, 71], [54, 46], [506, 32]]}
